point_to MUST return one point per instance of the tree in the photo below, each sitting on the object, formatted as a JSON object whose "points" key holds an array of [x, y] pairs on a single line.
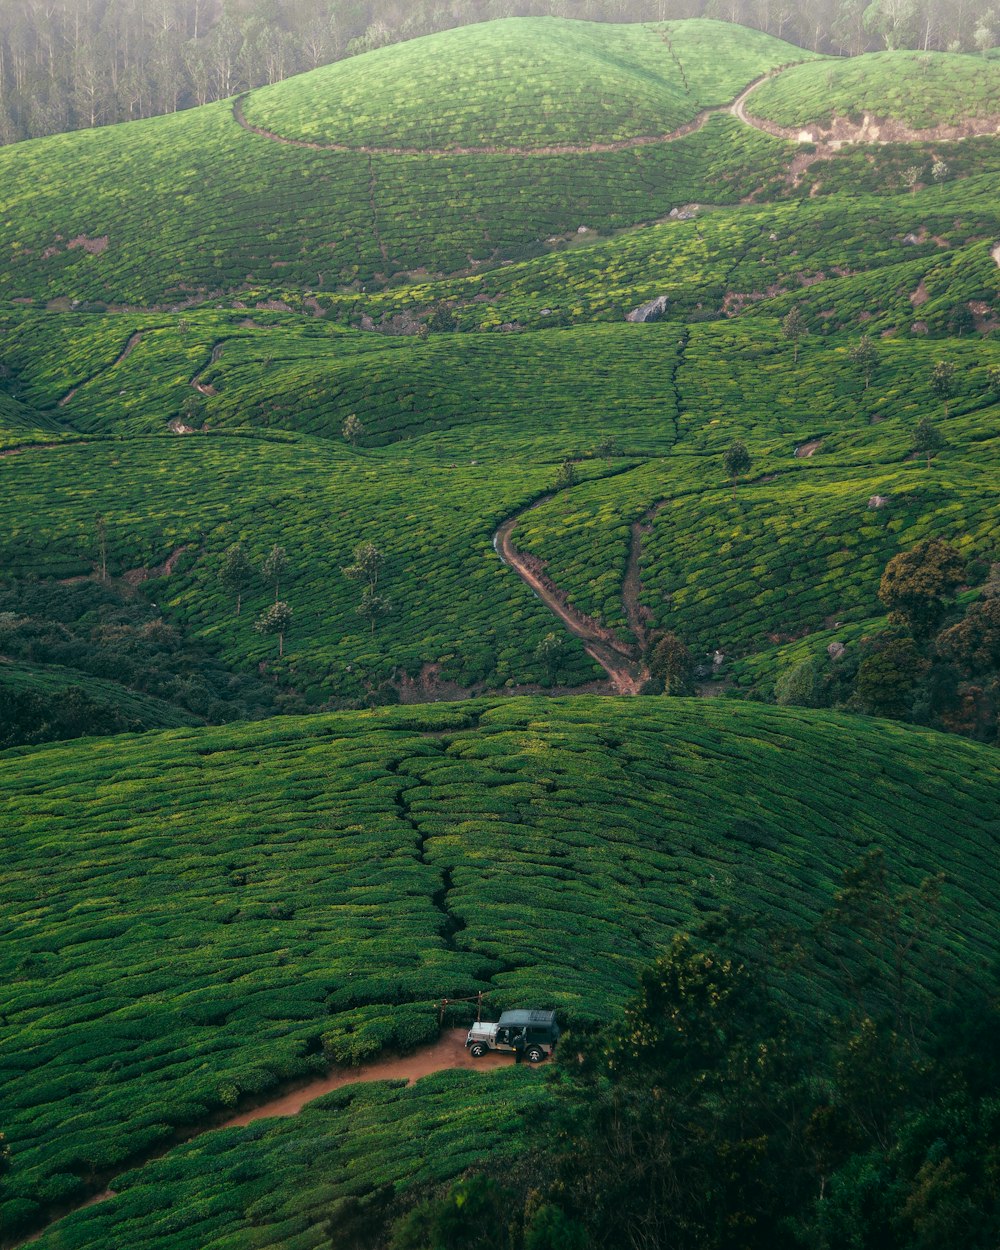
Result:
{"points": [[236, 572], [549, 652], [607, 448], [373, 606], [277, 619], [918, 584], [672, 662], [275, 563], [794, 329], [566, 476], [799, 685], [943, 381], [368, 561], [928, 439], [101, 522], [911, 177], [974, 643], [888, 674], [864, 357], [736, 461], [993, 378], [353, 429]]}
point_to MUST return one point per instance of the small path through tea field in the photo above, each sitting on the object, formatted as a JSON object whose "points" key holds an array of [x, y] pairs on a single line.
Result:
{"points": [[447, 1054], [600, 643]]}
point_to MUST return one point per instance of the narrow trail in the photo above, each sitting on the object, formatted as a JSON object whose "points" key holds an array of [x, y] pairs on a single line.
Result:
{"points": [[555, 149], [204, 388], [828, 140], [619, 661], [638, 616], [120, 359], [445, 1055]]}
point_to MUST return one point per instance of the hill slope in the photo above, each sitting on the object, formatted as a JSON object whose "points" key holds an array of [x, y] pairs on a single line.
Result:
{"points": [[307, 888], [920, 89]]}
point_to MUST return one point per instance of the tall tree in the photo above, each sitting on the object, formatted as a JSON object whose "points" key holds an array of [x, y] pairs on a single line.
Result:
{"points": [[237, 572]]}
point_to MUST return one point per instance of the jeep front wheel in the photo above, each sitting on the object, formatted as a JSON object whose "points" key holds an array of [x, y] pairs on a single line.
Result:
{"points": [[477, 1050], [534, 1054]]}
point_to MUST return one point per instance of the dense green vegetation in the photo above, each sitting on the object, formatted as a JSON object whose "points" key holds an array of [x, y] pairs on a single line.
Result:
{"points": [[710, 1117], [265, 406], [301, 890], [606, 83], [922, 89]]}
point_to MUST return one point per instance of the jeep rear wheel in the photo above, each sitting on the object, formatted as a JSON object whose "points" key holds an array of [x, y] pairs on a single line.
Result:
{"points": [[477, 1050], [534, 1054]]}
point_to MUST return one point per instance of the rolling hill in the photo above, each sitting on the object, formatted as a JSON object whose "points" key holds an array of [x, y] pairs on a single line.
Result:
{"points": [[302, 891], [443, 240]]}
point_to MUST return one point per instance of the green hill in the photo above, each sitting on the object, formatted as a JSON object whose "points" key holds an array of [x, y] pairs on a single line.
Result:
{"points": [[212, 208], [523, 83], [920, 89], [239, 907]]}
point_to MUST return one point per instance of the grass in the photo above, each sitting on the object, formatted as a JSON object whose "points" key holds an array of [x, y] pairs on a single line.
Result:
{"points": [[921, 89], [304, 889]]}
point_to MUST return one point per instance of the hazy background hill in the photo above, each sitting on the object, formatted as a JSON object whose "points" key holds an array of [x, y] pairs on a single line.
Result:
{"points": [[71, 64]]}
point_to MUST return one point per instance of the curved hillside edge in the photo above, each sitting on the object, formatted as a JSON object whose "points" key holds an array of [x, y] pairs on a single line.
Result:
{"points": [[326, 881], [578, 84], [882, 97]]}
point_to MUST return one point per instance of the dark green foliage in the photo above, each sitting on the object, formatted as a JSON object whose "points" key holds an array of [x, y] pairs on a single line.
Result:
{"points": [[918, 584], [130, 667], [736, 461], [928, 439], [672, 663], [714, 1116]]}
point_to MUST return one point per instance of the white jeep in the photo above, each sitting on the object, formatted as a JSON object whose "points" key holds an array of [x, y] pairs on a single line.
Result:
{"points": [[532, 1034]]}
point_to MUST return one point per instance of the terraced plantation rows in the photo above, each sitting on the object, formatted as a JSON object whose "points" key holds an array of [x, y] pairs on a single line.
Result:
{"points": [[196, 916], [921, 90], [319, 220], [302, 891], [454, 605], [578, 84]]}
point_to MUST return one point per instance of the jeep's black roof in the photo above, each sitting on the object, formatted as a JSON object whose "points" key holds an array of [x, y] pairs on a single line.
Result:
{"points": [[521, 1018]]}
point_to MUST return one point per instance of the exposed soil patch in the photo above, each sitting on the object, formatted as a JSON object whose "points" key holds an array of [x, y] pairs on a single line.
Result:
{"points": [[806, 450], [94, 246], [920, 295], [135, 577], [447, 1054]]}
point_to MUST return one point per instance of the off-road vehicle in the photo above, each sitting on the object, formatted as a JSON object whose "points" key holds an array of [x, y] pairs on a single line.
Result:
{"points": [[531, 1033]]}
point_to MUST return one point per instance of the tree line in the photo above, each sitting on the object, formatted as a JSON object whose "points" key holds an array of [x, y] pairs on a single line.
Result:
{"points": [[72, 64]]}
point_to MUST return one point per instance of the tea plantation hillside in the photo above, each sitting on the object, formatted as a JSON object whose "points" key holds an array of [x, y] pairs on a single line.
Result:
{"points": [[921, 89], [211, 207], [463, 431], [576, 82], [241, 906]]}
